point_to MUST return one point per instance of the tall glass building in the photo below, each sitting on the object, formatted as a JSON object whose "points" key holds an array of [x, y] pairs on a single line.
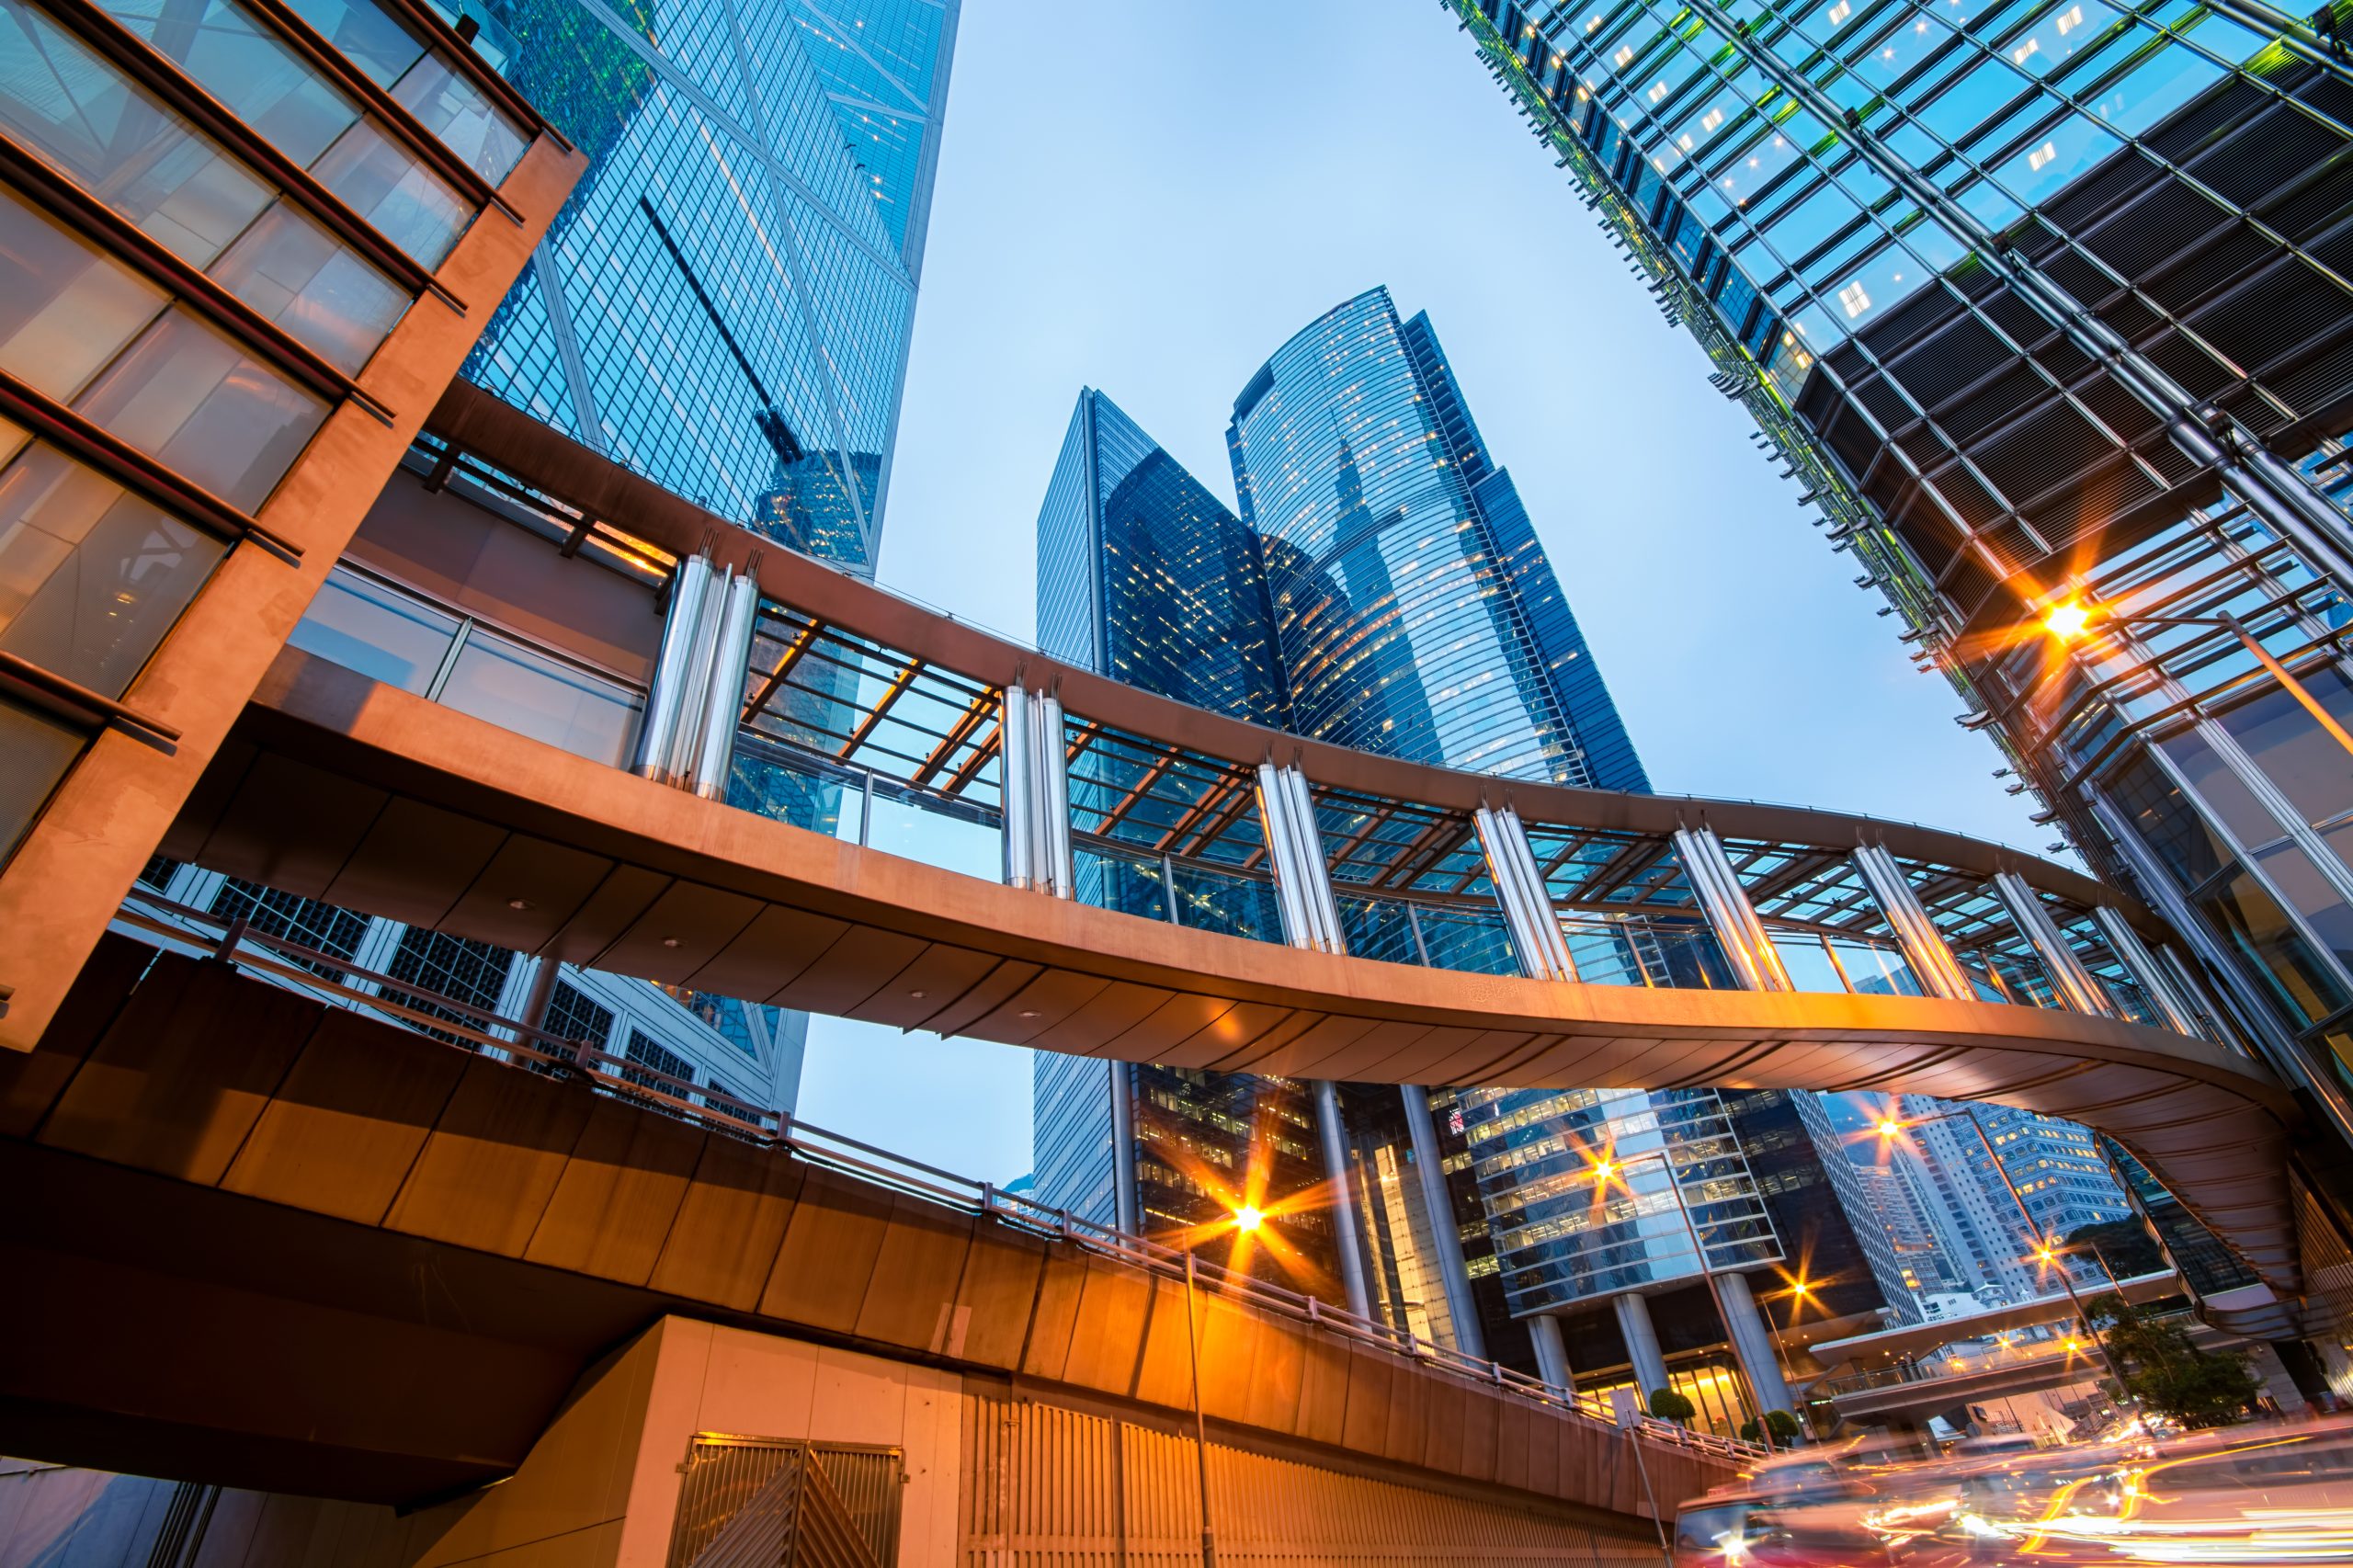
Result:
{"points": [[1383, 587], [724, 304], [1416, 613], [2047, 307]]}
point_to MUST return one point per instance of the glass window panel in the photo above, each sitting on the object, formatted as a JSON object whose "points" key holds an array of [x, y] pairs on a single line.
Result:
{"points": [[76, 111], [378, 45], [192, 398], [2224, 794], [1971, 101], [384, 635], [2167, 822], [909, 828], [1747, 173], [2311, 895], [229, 54], [65, 310], [2159, 86], [1902, 49], [2074, 146], [91, 577], [462, 116], [532, 695], [314, 285], [2252, 922], [1811, 222], [2299, 756], [1892, 275], [408, 203], [35, 752], [2059, 36]]}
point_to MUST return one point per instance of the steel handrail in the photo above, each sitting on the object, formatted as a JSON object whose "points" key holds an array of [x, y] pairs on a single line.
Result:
{"points": [[294, 963]]}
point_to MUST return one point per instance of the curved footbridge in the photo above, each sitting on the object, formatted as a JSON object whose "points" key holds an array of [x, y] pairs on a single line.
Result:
{"points": [[1243, 900]]}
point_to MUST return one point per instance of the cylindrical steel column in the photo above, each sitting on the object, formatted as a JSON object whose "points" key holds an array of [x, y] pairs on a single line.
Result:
{"points": [[2155, 980], [1014, 742], [664, 693], [1752, 1342], [1273, 811], [694, 690], [1446, 1235], [1050, 826], [1519, 889], [1552, 1352], [2075, 984], [1642, 1343], [1755, 961], [1319, 870], [1333, 1135], [1925, 948], [1126, 1206], [723, 703]]}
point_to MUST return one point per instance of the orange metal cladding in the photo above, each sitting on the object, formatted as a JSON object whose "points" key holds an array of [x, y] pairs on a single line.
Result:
{"points": [[86, 846]]}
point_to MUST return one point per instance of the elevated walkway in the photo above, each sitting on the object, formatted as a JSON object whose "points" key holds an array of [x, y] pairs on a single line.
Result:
{"points": [[288, 1248]]}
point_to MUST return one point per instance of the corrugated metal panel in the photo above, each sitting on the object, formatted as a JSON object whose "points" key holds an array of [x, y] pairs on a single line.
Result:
{"points": [[769, 1502], [1045, 1487]]}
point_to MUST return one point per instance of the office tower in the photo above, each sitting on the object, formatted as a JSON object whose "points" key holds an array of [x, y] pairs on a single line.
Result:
{"points": [[1144, 575], [2040, 307], [1384, 588], [725, 303], [1415, 612]]}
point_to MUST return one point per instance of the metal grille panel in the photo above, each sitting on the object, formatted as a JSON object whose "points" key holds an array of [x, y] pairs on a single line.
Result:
{"points": [[774, 1501]]}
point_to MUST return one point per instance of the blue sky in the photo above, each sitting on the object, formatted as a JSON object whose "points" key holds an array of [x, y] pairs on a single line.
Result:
{"points": [[1149, 199]]}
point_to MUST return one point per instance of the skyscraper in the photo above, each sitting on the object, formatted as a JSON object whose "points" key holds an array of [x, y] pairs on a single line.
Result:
{"points": [[724, 304], [1384, 588], [2042, 307]]}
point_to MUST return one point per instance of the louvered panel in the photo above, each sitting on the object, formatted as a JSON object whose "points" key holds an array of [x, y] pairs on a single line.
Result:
{"points": [[2218, 264], [1957, 356], [1046, 1487], [2085, 508], [2169, 217], [1971, 585], [2182, 135], [2118, 409], [2320, 387], [2042, 452], [1920, 314], [2314, 206], [746, 1502], [2274, 149], [2186, 362], [2087, 200], [1967, 417], [2015, 317], [2077, 274], [827, 1536], [2273, 315]]}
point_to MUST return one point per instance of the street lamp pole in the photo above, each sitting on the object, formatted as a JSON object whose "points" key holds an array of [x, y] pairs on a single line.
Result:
{"points": [[1200, 1424]]}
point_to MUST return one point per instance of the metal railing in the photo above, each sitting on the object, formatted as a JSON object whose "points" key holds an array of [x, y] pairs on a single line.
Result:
{"points": [[467, 1026]]}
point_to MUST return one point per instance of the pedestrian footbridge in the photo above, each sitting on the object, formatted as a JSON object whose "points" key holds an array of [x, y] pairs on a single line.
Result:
{"points": [[515, 714]]}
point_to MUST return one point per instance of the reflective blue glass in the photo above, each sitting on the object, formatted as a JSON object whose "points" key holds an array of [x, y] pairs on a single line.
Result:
{"points": [[724, 303]]}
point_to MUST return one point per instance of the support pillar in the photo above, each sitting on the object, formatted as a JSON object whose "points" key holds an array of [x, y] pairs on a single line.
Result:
{"points": [[1752, 1342], [2074, 983], [1126, 1204], [1034, 778], [1446, 1235], [542, 992], [1334, 1134], [1519, 889], [1924, 948], [2156, 981], [685, 735], [1552, 1353], [1642, 1343], [1295, 850], [1755, 962]]}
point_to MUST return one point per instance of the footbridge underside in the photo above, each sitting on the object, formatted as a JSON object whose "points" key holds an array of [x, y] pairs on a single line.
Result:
{"points": [[338, 788]]}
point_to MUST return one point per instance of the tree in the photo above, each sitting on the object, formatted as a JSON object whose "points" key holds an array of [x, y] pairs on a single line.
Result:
{"points": [[1779, 1430], [2124, 1245], [2166, 1372], [1669, 1405]]}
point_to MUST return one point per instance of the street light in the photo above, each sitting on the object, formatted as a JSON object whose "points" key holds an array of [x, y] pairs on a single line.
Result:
{"points": [[2043, 1251], [2072, 619], [1244, 1220]]}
